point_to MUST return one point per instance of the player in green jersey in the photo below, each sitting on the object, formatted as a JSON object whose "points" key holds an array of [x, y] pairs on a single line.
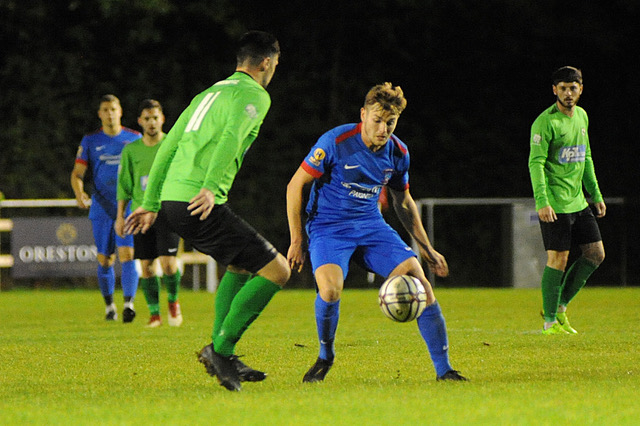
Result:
{"points": [[560, 164], [159, 242], [191, 177]]}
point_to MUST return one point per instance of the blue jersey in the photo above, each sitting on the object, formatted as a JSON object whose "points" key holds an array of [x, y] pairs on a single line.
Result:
{"points": [[349, 176], [101, 153]]}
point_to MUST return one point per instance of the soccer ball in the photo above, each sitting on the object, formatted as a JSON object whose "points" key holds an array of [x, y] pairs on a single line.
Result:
{"points": [[402, 298]]}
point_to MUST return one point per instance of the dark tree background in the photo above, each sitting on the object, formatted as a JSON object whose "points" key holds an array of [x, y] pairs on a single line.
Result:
{"points": [[476, 75]]}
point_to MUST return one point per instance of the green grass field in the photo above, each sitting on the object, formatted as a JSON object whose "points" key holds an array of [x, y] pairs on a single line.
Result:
{"points": [[61, 363]]}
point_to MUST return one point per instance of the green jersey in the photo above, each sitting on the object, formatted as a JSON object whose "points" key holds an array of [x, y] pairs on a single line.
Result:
{"points": [[206, 146], [560, 161], [135, 164]]}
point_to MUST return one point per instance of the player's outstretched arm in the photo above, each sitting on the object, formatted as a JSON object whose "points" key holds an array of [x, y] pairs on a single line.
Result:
{"points": [[407, 212], [139, 221], [296, 254]]}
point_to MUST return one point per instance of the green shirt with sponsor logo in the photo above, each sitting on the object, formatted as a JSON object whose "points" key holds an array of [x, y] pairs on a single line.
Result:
{"points": [[560, 161], [206, 146], [135, 165]]}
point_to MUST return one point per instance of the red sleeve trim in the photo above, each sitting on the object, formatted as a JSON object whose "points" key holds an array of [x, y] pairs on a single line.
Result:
{"points": [[81, 161], [399, 145], [135, 132], [313, 172], [350, 133]]}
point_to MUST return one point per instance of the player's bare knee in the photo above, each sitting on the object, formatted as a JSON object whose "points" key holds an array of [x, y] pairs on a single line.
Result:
{"points": [[596, 257], [237, 270], [284, 271], [330, 294], [125, 254], [330, 287], [412, 267], [277, 271], [147, 269], [106, 261], [557, 259], [593, 252], [168, 264], [170, 269], [282, 276]]}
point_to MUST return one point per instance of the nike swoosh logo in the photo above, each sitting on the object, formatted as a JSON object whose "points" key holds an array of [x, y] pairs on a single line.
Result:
{"points": [[100, 148], [348, 167], [173, 250]]}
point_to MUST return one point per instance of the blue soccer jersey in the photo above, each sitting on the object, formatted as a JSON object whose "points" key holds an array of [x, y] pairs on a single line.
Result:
{"points": [[101, 154], [344, 220], [349, 176]]}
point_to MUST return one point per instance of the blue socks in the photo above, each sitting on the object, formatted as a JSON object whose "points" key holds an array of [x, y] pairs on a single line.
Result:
{"points": [[106, 281], [434, 332], [431, 325], [129, 279], [327, 315]]}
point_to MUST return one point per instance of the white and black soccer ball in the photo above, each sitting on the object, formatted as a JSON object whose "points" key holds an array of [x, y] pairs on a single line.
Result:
{"points": [[402, 298]]}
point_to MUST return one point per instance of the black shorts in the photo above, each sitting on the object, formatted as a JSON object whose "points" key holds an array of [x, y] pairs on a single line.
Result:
{"points": [[580, 228], [159, 240], [223, 235]]}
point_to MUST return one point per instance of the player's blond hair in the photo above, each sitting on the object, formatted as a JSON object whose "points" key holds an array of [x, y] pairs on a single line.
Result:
{"points": [[389, 97]]}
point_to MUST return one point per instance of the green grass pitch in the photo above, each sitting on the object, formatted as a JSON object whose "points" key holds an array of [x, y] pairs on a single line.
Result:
{"points": [[61, 363]]}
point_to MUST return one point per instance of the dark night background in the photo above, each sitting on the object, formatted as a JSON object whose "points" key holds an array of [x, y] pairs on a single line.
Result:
{"points": [[476, 75]]}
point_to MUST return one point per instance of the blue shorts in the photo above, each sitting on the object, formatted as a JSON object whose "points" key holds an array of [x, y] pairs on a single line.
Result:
{"points": [[106, 238], [374, 245]]}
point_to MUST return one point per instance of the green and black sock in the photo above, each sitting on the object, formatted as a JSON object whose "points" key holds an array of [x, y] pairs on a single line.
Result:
{"points": [[151, 289], [229, 286], [551, 288], [172, 284], [250, 301], [575, 278]]}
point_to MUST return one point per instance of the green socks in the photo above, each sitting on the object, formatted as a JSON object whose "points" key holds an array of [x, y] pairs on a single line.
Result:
{"points": [[551, 288], [172, 284], [151, 289], [245, 307], [229, 286], [557, 290], [575, 278]]}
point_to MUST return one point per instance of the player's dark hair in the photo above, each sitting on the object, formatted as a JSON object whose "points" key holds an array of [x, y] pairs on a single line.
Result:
{"points": [[566, 75], [389, 97], [254, 46], [148, 104], [108, 98]]}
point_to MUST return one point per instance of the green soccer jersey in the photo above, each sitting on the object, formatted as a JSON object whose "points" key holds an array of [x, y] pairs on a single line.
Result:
{"points": [[135, 165], [207, 144], [560, 161]]}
